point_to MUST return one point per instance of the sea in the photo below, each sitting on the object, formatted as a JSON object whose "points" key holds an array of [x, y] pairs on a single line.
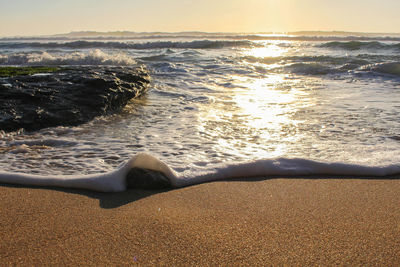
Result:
{"points": [[225, 104]]}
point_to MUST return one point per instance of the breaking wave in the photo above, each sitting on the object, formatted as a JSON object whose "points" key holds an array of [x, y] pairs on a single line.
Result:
{"points": [[311, 69], [357, 45], [392, 68], [325, 65], [116, 181], [314, 59], [93, 57], [199, 44]]}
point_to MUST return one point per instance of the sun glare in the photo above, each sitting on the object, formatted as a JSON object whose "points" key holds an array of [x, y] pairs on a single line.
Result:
{"points": [[267, 50]]}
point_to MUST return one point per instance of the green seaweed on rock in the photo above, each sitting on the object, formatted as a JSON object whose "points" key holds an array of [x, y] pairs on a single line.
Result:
{"points": [[17, 71]]}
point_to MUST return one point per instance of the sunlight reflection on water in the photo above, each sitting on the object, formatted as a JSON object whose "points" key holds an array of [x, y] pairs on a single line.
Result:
{"points": [[256, 116]]}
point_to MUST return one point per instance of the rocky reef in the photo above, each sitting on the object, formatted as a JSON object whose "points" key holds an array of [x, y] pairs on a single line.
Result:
{"points": [[67, 96]]}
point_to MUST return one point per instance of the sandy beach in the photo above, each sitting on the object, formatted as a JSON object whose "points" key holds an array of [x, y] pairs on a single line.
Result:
{"points": [[258, 222]]}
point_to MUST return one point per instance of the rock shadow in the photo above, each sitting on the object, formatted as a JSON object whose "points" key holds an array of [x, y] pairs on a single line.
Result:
{"points": [[106, 200]]}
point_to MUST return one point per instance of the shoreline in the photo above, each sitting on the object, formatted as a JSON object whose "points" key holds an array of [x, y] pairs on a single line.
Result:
{"points": [[277, 221]]}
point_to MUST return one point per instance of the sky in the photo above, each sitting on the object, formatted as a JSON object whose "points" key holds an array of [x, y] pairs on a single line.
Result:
{"points": [[44, 17]]}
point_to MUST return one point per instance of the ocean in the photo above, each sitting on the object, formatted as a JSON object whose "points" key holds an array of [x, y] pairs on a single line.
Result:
{"points": [[223, 105]]}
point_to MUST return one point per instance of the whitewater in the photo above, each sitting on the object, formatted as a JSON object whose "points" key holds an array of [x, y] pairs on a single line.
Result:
{"points": [[220, 106]]}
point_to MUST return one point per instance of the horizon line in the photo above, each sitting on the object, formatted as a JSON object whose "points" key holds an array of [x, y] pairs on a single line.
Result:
{"points": [[116, 32]]}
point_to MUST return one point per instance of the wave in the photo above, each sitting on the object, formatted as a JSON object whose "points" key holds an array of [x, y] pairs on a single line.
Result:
{"points": [[93, 57], [198, 44], [44, 142], [392, 68], [324, 65], [116, 181], [311, 69], [357, 45], [387, 68], [301, 59], [328, 59]]}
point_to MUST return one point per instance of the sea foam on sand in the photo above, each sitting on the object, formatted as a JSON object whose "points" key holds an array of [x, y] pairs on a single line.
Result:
{"points": [[115, 181]]}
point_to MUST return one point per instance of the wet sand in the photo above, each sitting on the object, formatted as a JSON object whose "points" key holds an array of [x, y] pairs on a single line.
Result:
{"points": [[259, 222]]}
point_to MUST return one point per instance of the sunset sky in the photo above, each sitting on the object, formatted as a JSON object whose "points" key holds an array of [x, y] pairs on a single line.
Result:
{"points": [[41, 17]]}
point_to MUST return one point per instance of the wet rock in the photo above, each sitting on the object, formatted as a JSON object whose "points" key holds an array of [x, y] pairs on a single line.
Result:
{"points": [[146, 179], [69, 96]]}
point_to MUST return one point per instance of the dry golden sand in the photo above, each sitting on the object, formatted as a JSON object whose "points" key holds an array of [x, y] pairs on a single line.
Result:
{"points": [[277, 221]]}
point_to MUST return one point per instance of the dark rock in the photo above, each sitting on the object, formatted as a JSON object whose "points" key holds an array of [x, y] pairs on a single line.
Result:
{"points": [[68, 97], [146, 179]]}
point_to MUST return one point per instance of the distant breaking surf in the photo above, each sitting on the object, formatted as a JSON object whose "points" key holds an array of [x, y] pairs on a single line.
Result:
{"points": [[195, 44], [200, 44]]}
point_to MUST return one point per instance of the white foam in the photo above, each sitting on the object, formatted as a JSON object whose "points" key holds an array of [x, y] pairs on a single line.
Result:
{"points": [[115, 181], [93, 57], [290, 167]]}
